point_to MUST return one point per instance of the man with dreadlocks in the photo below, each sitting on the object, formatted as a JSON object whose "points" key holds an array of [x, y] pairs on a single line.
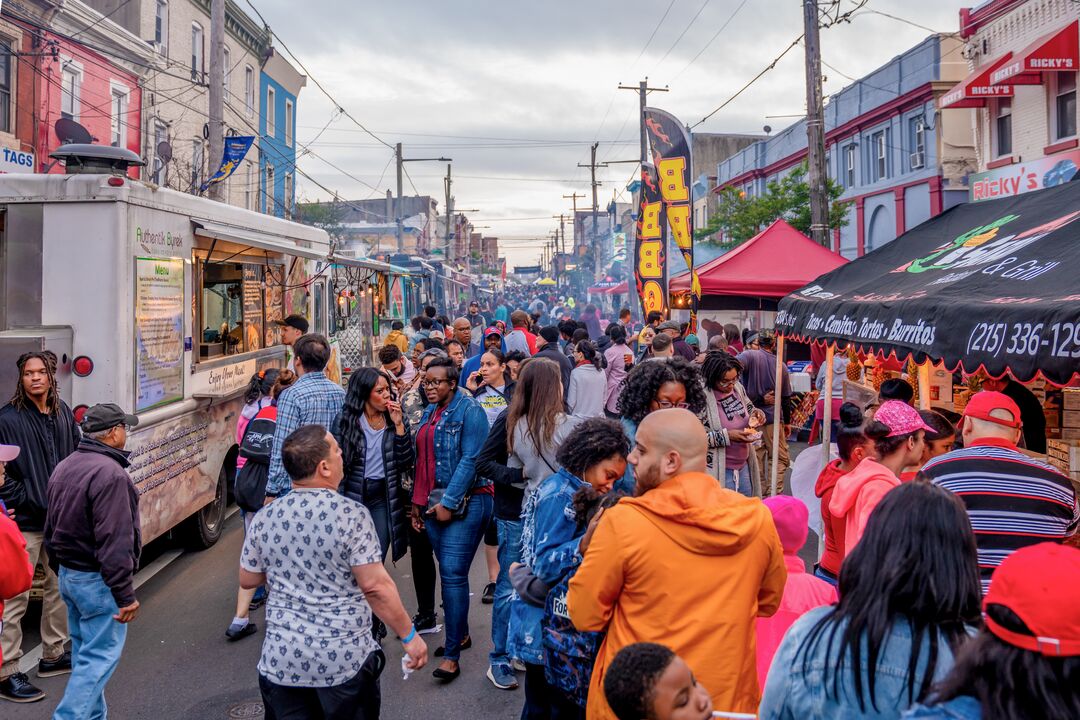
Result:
{"points": [[40, 423]]}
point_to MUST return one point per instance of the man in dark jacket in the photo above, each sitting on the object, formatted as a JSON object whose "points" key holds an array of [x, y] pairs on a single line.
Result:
{"points": [[547, 346], [92, 536], [42, 425]]}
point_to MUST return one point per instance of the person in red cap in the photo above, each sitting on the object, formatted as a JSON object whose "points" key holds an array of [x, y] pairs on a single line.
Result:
{"points": [[899, 436], [1026, 660], [1012, 500]]}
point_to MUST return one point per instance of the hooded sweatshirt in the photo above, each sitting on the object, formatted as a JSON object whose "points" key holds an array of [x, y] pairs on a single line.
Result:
{"points": [[833, 526], [689, 565], [856, 495]]}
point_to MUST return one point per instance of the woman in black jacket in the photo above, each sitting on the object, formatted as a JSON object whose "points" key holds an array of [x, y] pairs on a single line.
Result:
{"points": [[377, 450]]}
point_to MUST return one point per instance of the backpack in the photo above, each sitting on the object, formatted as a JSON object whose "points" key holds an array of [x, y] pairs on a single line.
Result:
{"points": [[569, 653], [250, 485]]}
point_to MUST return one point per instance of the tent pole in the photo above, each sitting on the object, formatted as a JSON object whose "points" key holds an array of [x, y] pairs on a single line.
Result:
{"points": [[826, 429], [778, 416], [924, 385]]}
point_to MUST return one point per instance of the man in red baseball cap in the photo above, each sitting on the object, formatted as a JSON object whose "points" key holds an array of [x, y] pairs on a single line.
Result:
{"points": [[1013, 500], [1024, 662]]}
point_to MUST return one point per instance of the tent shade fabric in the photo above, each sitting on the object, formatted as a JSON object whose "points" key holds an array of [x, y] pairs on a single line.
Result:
{"points": [[776, 261], [1058, 51], [976, 88], [990, 284]]}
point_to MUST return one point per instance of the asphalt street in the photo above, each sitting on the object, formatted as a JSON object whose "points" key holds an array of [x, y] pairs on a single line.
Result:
{"points": [[177, 664]]}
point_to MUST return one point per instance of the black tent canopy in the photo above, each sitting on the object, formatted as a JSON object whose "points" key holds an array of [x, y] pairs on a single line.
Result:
{"points": [[992, 285]]}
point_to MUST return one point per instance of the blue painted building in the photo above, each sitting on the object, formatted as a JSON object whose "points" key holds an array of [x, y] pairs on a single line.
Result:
{"points": [[899, 158], [279, 87]]}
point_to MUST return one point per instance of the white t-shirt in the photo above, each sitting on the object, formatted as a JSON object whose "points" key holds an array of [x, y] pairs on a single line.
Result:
{"points": [[373, 458], [318, 623]]}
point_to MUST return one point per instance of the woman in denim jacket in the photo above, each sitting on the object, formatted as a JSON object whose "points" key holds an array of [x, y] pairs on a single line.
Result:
{"points": [[909, 596], [595, 455], [449, 499]]}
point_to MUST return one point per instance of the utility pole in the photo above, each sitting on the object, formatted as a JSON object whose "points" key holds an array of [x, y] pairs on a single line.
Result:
{"points": [[643, 90], [592, 170], [449, 202], [216, 113], [815, 128], [574, 198], [399, 220]]}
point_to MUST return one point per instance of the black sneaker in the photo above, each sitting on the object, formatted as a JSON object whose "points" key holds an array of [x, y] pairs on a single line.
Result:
{"points": [[236, 632], [426, 624], [51, 668], [17, 688], [489, 594]]}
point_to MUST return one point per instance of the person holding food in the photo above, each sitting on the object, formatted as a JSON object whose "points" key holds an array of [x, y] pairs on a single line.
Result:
{"points": [[731, 421]]}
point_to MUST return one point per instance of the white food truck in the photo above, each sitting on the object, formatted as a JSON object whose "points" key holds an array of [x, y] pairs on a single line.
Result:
{"points": [[159, 301]]}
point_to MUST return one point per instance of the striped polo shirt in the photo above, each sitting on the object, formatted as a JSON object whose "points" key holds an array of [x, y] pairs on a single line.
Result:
{"points": [[1012, 500]]}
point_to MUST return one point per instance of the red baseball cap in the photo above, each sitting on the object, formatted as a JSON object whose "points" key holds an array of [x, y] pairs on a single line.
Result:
{"points": [[1041, 584], [983, 403], [492, 331]]}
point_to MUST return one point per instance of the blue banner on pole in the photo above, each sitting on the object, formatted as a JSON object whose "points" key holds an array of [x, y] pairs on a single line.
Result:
{"points": [[236, 148]]}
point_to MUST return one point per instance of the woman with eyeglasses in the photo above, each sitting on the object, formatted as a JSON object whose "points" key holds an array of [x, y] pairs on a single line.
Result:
{"points": [[450, 500], [730, 421]]}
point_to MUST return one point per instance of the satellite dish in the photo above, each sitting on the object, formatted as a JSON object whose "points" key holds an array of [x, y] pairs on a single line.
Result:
{"points": [[69, 131], [767, 129], [164, 151]]}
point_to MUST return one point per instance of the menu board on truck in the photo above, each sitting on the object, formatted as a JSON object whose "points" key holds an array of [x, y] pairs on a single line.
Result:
{"points": [[159, 331]]}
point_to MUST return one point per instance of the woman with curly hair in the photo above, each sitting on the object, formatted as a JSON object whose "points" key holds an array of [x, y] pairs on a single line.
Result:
{"points": [[593, 458]]}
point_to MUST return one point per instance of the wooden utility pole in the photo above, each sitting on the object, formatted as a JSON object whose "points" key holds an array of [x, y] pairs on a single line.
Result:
{"points": [[447, 251], [399, 227], [817, 176], [216, 114], [574, 198]]}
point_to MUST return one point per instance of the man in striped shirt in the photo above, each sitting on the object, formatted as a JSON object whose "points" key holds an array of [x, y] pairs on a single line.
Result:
{"points": [[1012, 500]]}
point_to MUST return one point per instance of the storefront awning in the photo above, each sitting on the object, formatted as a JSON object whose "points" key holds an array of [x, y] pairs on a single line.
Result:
{"points": [[1058, 51], [252, 238], [976, 88]]}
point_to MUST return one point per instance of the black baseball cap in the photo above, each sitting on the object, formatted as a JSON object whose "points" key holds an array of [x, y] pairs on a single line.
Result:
{"points": [[105, 416], [297, 322]]}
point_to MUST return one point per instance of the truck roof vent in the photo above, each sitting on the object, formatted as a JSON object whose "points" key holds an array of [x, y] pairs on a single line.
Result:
{"points": [[81, 159]]}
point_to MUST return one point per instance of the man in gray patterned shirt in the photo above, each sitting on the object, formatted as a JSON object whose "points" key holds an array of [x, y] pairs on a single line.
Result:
{"points": [[320, 558]]}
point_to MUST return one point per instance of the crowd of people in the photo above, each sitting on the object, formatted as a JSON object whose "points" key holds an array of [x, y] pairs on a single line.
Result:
{"points": [[638, 565]]}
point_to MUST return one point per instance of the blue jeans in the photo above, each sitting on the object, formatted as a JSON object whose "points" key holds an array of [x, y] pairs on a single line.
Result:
{"points": [[96, 643], [509, 553], [455, 545], [739, 480]]}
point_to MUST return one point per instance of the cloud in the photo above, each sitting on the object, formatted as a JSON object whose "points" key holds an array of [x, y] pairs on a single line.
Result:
{"points": [[445, 78]]}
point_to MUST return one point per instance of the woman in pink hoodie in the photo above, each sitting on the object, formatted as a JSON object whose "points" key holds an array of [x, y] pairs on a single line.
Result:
{"points": [[802, 591], [898, 433]]}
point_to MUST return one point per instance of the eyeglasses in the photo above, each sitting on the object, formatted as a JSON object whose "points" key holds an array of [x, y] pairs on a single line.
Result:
{"points": [[435, 383], [665, 405]]}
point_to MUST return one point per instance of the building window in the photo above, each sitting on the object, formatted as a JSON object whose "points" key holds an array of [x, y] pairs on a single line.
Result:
{"points": [[69, 93], [119, 117], [161, 27], [197, 162], [228, 72], [249, 90], [288, 194], [1003, 127], [271, 200], [288, 123], [6, 83], [160, 136], [196, 52], [271, 101], [251, 189], [849, 166], [1064, 106], [917, 140], [880, 162]]}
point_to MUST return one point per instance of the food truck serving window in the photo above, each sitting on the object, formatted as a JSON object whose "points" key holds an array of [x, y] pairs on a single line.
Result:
{"points": [[238, 303]]}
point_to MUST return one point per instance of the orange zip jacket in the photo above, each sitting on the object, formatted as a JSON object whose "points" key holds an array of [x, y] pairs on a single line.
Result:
{"points": [[689, 565]]}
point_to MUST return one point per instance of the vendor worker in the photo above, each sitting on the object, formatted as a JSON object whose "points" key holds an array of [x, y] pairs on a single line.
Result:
{"points": [[1031, 410]]}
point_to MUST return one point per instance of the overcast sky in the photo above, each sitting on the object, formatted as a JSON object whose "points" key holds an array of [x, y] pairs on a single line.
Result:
{"points": [[516, 92]]}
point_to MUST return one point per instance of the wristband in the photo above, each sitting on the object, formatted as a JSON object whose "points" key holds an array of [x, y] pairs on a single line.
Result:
{"points": [[409, 638]]}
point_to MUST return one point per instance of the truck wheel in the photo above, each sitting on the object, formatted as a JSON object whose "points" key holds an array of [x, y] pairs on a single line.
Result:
{"points": [[203, 529]]}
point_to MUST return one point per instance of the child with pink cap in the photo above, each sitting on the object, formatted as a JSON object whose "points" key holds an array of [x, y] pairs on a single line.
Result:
{"points": [[899, 436], [802, 592]]}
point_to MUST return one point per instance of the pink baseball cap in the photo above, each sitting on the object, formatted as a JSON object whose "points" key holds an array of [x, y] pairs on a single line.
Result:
{"points": [[900, 418], [8, 453]]}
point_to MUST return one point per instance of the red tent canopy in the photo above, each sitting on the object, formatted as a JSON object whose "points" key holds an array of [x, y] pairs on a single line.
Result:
{"points": [[776, 261]]}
